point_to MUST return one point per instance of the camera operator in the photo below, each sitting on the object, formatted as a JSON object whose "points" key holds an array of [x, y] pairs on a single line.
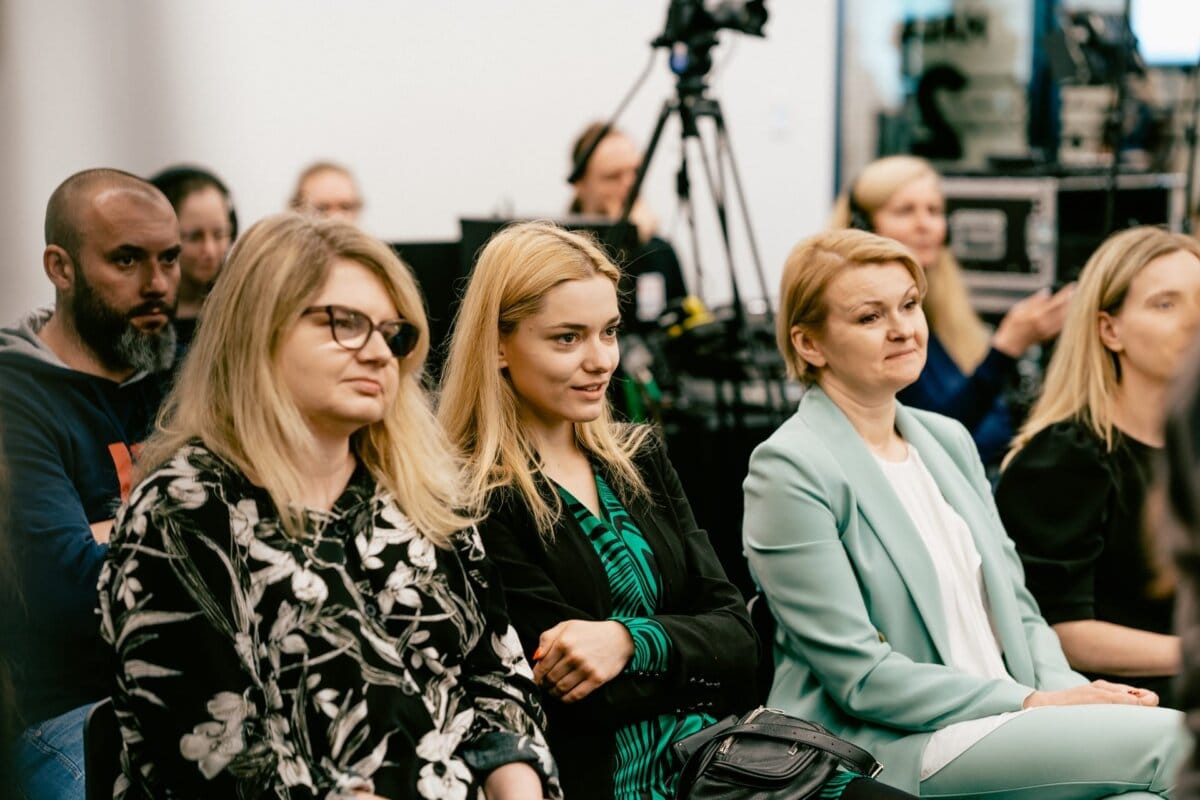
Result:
{"points": [[607, 163]]}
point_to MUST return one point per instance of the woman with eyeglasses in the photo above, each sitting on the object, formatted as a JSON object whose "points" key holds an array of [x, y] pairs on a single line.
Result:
{"points": [[296, 607]]}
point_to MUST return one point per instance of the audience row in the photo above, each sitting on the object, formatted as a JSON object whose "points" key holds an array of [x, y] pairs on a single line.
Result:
{"points": [[316, 585]]}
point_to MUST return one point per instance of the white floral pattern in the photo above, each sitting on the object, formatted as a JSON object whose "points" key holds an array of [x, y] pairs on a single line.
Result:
{"points": [[358, 657]]}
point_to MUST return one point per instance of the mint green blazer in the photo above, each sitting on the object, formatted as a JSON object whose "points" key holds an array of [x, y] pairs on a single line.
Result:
{"points": [[861, 636]]}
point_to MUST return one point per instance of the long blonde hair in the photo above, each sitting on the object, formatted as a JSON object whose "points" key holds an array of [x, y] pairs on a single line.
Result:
{"points": [[230, 396], [479, 407], [947, 303], [1081, 381]]}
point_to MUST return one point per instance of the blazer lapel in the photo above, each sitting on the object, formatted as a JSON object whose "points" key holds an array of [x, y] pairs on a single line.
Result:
{"points": [[883, 511], [961, 495]]}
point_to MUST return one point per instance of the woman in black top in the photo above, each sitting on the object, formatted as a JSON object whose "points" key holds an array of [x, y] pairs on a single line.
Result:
{"points": [[638, 637], [1073, 488], [297, 609]]}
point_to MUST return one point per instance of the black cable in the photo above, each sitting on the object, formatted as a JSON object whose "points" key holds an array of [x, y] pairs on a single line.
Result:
{"points": [[580, 165]]}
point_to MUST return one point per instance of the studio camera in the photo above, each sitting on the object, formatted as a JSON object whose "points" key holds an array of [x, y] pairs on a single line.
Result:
{"points": [[692, 25]]}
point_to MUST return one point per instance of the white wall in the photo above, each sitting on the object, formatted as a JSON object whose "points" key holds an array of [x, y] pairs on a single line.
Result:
{"points": [[442, 108]]}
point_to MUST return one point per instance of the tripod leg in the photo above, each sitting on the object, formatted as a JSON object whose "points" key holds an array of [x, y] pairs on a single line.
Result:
{"points": [[775, 396], [726, 149], [651, 148], [683, 190]]}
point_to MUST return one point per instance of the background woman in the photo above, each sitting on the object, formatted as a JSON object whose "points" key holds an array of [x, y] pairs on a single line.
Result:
{"points": [[637, 636], [1073, 489], [207, 228], [904, 623], [968, 367], [295, 606]]}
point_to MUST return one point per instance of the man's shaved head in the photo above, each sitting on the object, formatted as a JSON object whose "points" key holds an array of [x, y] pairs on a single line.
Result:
{"points": [[65, 211], [112, 253]]}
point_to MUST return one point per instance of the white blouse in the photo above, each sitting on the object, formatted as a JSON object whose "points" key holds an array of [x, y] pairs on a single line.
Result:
{"points": [[974, 645]]}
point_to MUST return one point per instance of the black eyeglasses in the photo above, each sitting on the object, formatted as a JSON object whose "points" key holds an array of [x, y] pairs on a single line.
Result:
{"points": [[352, 329]]}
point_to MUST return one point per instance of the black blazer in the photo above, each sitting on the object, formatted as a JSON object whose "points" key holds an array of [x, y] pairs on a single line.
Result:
{"points": [[545, 582]]}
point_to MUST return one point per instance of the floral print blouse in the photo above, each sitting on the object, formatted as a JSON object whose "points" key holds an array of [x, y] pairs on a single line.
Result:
{"points": [[358, 657]]}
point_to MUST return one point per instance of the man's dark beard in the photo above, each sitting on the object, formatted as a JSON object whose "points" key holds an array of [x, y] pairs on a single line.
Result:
{"points": [[118, 343]]}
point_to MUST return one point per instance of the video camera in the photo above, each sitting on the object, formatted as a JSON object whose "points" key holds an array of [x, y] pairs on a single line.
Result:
{"points": [[692, 25]]}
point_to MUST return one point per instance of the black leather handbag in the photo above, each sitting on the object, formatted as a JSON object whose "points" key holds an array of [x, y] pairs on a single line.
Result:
{"points": [[764, 755]]}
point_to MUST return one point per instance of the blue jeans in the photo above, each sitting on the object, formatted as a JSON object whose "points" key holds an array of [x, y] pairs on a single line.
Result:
{"points": [[48, 757]]}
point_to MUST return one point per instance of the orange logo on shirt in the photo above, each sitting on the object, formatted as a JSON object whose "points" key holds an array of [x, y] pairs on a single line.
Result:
{"points": [[122, 456]]}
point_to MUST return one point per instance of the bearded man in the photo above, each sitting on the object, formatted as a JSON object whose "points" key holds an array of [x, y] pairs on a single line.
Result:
{"points": [[80, 383]]}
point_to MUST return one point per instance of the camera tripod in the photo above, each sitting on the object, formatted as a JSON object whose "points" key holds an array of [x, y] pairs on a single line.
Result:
{"points": [[691, 104]]}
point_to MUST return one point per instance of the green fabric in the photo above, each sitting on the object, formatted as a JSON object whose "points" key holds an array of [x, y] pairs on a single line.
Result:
{"points": [[855, 594], [651, 645], [834, 787], [645, 766], [1070, 753]]}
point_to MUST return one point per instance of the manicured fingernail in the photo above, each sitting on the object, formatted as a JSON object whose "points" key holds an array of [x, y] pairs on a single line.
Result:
{"points": [[537, 654]]}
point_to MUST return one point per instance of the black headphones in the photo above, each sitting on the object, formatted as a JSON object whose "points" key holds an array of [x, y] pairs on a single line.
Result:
{"points": [[178, 182], [584, 154], [859, 218]]}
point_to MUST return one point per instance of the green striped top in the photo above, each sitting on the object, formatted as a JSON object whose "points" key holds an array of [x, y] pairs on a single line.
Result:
{"points": [[645, 765], [645, 768]]}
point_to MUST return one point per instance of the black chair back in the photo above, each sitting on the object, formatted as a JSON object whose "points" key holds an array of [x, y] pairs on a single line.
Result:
{"points": [[101, 751], [764, 627]]}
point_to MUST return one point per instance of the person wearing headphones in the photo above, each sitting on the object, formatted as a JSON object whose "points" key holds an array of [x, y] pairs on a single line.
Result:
{"points": [[968, 366], [605, 164], [207, 227]]}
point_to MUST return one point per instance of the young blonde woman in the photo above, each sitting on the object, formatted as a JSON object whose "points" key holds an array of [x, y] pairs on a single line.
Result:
{"points": [[904, 621], [296, 608], [637, 636], [1073, 488], [968, 367]]}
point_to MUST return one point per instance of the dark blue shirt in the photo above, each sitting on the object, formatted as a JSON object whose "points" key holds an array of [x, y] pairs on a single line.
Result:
{"points": [[68, 439], [975, 400]]}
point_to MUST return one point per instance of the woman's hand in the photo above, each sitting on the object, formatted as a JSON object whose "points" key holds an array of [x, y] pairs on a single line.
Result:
{"points": [[1035, 319], [1093, 693], [575, 657], [515, 781]]}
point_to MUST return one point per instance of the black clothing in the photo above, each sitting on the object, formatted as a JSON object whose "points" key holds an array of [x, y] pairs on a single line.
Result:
{"points": [[1075, 514], [714, 648], [356, 656], [655, 256], [185, 331], [68, 438]]}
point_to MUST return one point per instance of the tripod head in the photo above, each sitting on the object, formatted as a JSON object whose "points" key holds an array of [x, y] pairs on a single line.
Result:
{"points": [[691, 33]]}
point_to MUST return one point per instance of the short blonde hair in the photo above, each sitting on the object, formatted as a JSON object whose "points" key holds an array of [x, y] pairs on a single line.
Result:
{"points": [[947, 303], [479, 407], [1082, 379], [230, 396], [811, 267]]}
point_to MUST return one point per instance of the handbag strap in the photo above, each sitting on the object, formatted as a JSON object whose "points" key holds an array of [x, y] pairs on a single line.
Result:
{"points": [[851, 755]]}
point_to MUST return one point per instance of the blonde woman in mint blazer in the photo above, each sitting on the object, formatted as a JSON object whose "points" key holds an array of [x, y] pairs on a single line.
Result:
{"points": [[903, 621]]}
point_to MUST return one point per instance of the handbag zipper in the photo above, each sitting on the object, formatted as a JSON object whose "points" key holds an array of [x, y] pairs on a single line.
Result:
{"points": [[728, 743]]}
